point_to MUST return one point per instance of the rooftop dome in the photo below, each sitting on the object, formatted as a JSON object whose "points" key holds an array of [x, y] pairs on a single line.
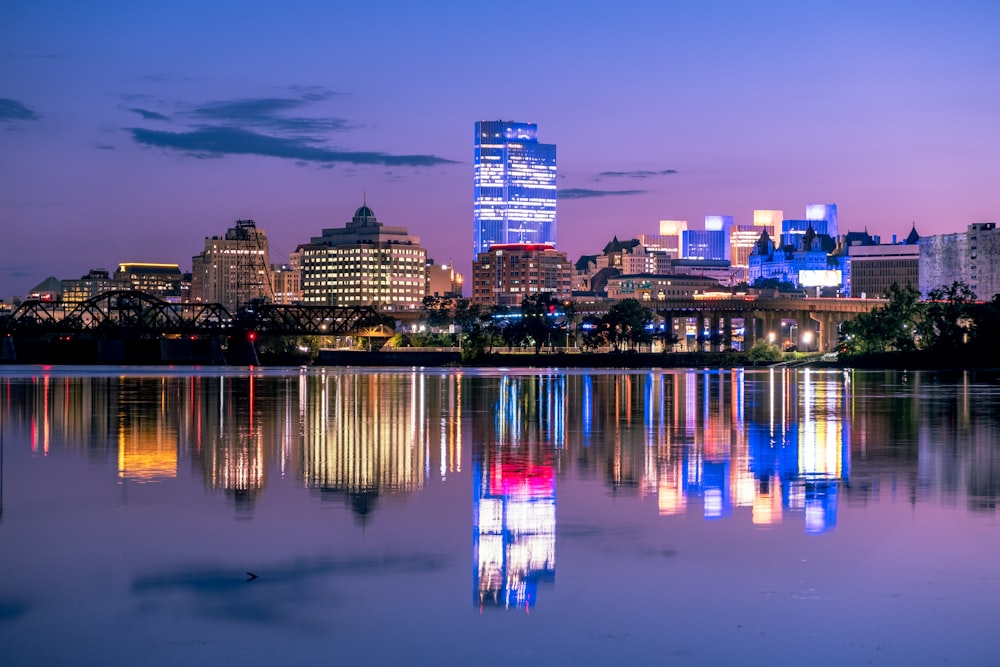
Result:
{"points": [[364, 214]]}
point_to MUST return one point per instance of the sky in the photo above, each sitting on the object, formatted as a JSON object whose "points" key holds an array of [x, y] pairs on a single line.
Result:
{"points": [[131, 131]]}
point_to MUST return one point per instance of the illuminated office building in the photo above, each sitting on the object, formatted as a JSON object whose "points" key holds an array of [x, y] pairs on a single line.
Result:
{"points": [[160, 280], [364, 263], [514, 198], [742, 239], [97, 281]]}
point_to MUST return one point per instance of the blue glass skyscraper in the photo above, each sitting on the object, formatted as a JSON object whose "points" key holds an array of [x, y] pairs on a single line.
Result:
{"points": [[515, 186]]}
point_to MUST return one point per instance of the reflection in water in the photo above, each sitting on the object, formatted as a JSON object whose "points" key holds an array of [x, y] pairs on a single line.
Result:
{"points": [[514, 500], [763, 447], [704, 486], [345, 435]]}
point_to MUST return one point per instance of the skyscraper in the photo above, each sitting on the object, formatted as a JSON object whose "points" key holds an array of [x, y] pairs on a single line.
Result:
{"points": [[514, 186]]}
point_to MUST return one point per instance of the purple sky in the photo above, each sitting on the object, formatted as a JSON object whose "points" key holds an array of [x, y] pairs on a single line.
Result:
{"points": [[131, 131]]}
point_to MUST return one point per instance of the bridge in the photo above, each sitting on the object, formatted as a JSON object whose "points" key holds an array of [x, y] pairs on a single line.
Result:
{"points": [[131, 315], [761, 317], [817, 319]]}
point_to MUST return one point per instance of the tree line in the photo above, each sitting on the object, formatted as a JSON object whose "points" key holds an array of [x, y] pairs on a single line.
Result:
{"points": [[949, 322], [541, 321]]}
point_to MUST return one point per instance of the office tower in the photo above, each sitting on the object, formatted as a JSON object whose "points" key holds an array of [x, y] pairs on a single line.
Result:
{"points": [[710, 243], [233, 269], [826, 212], [364, 263], [767, 219], [514, 197], [743, 238]]}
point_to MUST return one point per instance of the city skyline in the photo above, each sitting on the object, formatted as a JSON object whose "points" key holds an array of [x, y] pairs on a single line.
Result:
{"points": [[131, 133]]}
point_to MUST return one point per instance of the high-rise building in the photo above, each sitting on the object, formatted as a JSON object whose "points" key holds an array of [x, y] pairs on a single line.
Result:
{"points": [[233, 269], [514, 198], [365, 263]]}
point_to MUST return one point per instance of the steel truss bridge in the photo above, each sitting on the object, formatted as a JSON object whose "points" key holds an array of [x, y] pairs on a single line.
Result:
{"points": [[132, 313]]}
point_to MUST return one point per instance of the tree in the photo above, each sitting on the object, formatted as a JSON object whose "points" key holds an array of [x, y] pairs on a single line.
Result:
{"points": [[892, 327], [948, 322], [594, 332], [473, 320], [538, 316], [764, 350], [626, 324], [438, 311]]}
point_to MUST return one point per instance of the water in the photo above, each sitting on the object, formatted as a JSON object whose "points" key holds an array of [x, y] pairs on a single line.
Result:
{"points": [[155, 516]]}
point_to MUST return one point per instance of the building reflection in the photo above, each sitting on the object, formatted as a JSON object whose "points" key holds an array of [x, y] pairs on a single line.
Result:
{"points": [[775, 444], [514, 500], [147, 443], [344, 435], [764, 447], [368, 435]]}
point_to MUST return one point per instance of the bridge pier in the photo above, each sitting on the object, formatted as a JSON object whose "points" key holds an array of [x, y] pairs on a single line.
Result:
{"points": [[7, 352]]}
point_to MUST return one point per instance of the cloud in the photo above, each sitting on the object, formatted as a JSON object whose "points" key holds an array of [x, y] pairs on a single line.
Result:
{"points": [[105, 147], [638, 173], [266, 112], [215, 141], [14, 110], [586, 193], [149, 115]]}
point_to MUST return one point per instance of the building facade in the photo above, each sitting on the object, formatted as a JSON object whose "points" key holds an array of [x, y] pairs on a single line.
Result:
{"points": [[648, 287], [365, 263], [233, 269], [514, 193], [443, 281], [97, 281], [160, 280], [874, 268], [972, 257], [507, 273], [809, 261]]}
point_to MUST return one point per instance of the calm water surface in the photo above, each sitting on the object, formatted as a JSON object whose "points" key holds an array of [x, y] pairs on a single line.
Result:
{"points": [[152, 516]]}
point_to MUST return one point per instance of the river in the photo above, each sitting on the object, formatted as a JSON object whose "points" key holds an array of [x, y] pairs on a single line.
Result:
{"points": [[444, 516]]}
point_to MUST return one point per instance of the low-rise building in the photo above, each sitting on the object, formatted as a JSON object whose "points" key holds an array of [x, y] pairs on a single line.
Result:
{"points": [[97, 281], [507, 273], [875, 268], [160, 280], [652, 287]]}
